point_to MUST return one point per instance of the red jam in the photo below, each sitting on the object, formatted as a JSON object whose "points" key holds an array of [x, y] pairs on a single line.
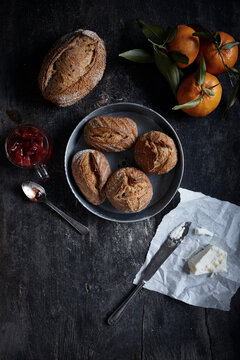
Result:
{"points": [[28, 145]]}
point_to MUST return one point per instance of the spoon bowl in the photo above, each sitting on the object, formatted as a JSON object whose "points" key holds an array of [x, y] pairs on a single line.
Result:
{"points": [[32, 190], [37, 193]]}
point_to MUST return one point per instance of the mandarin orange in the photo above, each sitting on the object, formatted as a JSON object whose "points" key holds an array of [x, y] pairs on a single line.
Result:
{"points": [[212, 57], [185, 43], [190, 90]]}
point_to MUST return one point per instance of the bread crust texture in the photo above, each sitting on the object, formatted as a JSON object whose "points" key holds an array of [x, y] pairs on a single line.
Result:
{"points": [[90, 169], [129, 190], [111, 133], [155, 153], [72, 68]]}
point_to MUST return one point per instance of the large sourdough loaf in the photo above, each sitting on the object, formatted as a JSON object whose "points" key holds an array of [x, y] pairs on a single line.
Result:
{"points": [[73, 67]]}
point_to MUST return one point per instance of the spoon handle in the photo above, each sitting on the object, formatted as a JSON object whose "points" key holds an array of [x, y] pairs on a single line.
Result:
{"points": [[79, 227]]}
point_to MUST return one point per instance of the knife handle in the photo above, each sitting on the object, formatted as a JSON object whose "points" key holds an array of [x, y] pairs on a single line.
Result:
{"points": [[115, 316]]}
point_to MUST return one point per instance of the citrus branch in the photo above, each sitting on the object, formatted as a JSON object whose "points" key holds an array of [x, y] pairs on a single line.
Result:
{"points": [[226, 67]]}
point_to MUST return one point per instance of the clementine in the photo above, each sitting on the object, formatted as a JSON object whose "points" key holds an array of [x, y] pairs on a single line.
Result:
{"points": [[185, 43], [190, 90], [212, 57]]}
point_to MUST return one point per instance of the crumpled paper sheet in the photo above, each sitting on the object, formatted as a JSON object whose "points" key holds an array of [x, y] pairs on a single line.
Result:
{"points": [[173, 277]]}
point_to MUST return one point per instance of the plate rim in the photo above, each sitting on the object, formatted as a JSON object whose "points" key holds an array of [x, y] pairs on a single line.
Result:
{"points": [[106, 217]]}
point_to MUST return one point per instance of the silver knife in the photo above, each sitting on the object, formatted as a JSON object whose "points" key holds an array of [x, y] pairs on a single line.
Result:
{"points": [[170, 244]]}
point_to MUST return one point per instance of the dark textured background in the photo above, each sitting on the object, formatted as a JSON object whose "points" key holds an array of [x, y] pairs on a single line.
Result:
{"points": [[56, 288]]}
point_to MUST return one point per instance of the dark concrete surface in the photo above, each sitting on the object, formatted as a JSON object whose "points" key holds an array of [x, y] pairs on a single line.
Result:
{"points": [[57, 288]]}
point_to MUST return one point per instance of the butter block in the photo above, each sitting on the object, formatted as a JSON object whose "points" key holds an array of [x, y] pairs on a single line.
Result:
{"points": [[210, 260]]}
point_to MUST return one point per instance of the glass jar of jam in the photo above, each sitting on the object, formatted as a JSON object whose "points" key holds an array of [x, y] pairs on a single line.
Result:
{"points": [[29, 147]]}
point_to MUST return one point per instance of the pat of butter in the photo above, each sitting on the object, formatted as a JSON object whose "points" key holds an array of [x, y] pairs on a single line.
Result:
{"points": [[177, 232], [210, 260], [202, 231]]}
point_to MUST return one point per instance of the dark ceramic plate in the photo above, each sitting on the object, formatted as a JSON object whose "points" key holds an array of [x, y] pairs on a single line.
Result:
{"points": [[164, 186]]}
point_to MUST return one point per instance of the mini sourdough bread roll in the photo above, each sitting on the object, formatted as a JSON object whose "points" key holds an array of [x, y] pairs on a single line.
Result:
{"points": [[129, 190], [155, 153], [73, 67], [91, 170], [111, 133]]}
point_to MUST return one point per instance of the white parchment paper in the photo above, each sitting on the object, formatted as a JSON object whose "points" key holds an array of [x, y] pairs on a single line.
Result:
{"points": [[173, 277]]}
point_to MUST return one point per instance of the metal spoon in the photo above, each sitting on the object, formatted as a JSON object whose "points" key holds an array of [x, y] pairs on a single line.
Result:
{"points": [[37, 193]]}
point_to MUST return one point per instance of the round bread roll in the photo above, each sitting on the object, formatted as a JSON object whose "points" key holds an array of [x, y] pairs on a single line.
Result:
{"points": [[155, 153], [129, 190], [90, 169], [73, 67], [111, 133]]}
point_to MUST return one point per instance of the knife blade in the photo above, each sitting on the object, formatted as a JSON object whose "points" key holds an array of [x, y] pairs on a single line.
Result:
{"points": [[165, 250], [173, 240]]}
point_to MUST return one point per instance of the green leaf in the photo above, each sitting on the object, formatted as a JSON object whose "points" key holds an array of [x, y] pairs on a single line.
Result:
{"points": [[217, 38], [167, 68], [138, 55], [233, 70], [169, 34], [179, 57], [181, 73], [152, 32], [232, 99], [233, 73], [214, 86], [201, 71], [205, 35], [229, 45], [208, 91], [188, 105]]}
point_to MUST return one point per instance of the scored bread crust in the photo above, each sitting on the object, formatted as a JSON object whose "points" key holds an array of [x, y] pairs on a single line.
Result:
{"points": [[90, 169], [111, 133], [155, 153], [129, 190], [86, 82]]}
